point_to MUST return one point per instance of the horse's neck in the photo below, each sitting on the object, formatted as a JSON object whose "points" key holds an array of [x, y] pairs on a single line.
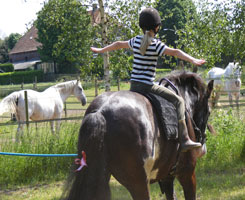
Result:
{"points": [[65, 93], [229, 70]]}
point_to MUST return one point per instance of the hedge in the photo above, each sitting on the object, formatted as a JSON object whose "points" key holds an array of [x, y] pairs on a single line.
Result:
{"points": [[21, 77], [7, 67]]}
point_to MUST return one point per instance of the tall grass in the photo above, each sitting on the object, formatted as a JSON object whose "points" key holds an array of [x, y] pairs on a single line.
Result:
{"points": [[226, 149], [16, 170]]}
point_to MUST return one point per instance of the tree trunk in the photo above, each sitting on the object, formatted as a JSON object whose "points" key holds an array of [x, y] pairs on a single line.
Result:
{"points": [[105, 42]]}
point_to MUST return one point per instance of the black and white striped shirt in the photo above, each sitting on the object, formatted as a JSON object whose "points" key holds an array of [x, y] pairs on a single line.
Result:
{"points": [[144, 66]]}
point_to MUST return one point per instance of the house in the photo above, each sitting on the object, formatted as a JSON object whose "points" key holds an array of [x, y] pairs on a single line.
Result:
{"points": [[24, 54]]}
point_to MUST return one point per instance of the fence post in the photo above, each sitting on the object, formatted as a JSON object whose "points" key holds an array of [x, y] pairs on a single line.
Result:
{"points": [[96, 86], [35, 83], [118, 83], [26, 106], [65, 109]]}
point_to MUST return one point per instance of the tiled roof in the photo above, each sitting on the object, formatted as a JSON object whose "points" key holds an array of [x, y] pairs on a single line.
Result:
{"points": [[27, 43]]}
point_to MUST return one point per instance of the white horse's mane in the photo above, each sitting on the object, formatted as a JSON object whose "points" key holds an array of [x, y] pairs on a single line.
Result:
{"points": [[65, 85]]}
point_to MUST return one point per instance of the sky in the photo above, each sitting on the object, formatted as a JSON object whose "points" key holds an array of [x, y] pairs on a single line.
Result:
{"points": [[15, 14]]}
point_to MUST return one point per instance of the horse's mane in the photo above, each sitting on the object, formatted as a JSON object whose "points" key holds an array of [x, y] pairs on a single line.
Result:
{"points": [[65, 85], [183, 79]]}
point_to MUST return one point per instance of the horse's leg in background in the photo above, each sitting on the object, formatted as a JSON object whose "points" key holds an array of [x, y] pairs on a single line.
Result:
{"points": [[237, 96], [52, 126], [20, 131], [230, 98], [57, 115], [167, 187], [57, 126]]}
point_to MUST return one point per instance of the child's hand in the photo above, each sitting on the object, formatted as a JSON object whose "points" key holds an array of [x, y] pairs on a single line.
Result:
{"points": [[96, 50], [198, 62]]}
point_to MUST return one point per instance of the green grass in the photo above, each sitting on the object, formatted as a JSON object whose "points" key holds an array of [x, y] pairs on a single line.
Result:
{"points": [[216, 185], [17, 170]]}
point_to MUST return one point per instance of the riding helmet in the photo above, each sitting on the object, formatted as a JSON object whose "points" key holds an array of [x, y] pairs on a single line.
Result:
{"points": [[149, 19]]}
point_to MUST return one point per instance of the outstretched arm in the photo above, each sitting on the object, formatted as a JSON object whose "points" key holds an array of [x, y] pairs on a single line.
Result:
{"points": [[183, 56], [114, 46]]}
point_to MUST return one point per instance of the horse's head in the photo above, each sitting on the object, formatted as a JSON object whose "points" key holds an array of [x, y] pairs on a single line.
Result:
{"points": [[233, 70], [196, 94], [237, 70], [79, 92]]}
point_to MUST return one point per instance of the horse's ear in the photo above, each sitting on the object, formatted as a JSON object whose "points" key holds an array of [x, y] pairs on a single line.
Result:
{"points": [[210, 88], [78, 80]]}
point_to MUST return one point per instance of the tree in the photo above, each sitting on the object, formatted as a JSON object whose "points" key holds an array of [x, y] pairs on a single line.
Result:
{"points": [[3, 51], [213, 32], [64, 29], [13, 39], [237, 28], [6, 45], [203, 33], [105, 42], [173, 18]]}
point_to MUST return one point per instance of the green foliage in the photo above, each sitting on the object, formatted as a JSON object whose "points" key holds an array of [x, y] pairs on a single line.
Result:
{"points": [[225, 149], [64, 29], [12, 40], [173, 18], [3, 51], [6, 45], [209, 33], [21, 77], [7, 67]]}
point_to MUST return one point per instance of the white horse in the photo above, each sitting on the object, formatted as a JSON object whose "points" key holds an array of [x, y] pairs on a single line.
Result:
{"points": [[46, 105], [228, 80]]}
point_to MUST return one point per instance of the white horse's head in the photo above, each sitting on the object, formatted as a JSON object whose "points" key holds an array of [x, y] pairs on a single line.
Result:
{"points": [[233, 70], [79, 92]]}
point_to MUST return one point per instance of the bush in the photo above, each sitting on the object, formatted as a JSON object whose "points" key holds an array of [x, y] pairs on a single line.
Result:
{"points": [[226, 148], [7, 67], [21, 77]]}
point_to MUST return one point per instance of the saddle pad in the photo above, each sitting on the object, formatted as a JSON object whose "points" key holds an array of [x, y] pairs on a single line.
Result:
{"points": [[166, 113]]}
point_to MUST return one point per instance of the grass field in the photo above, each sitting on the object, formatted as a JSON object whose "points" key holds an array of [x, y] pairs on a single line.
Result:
{"points": [[216, 185]]}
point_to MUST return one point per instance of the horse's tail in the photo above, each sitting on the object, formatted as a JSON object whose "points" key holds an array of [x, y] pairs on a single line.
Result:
{"points": [[92, 181], [9, 103]]}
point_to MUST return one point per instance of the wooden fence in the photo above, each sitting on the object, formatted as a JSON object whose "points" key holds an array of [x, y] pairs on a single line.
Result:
{"points": [[223, 101]]}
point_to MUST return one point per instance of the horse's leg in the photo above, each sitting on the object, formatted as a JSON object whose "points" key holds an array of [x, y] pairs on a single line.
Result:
{"points": [[188, 182], [52, 127], [139, 190], [20, 118], [19, 132], [167, 187], [237, 100], [230, 99], [58, 122]]}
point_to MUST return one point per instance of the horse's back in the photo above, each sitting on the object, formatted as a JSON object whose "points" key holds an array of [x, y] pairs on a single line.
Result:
{"points": [[215, 72], [132, 135]]}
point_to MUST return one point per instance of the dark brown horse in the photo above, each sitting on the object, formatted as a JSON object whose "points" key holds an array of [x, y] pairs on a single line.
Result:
{"points": [[120, 135]]}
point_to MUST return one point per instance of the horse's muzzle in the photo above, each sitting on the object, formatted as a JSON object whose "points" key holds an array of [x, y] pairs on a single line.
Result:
{"points": [[84, 101], [237, 83]]}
